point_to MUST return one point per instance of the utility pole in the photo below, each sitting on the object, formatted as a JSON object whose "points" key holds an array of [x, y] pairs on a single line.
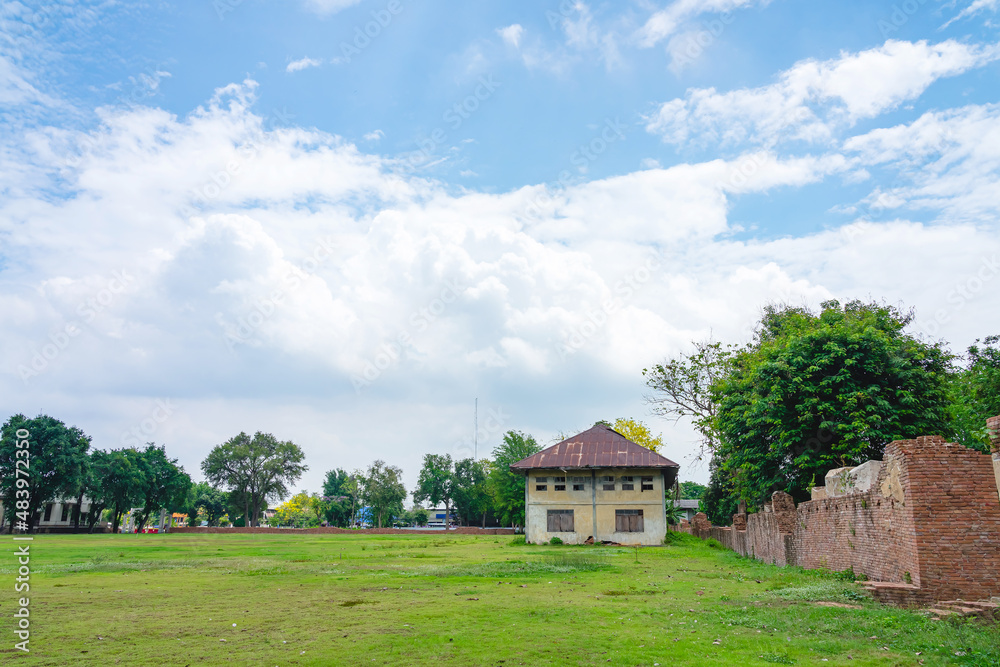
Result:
{"points": [[475, 452]]}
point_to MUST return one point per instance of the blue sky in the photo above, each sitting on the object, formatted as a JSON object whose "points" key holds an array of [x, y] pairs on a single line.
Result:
{"points": [[281, 223]]}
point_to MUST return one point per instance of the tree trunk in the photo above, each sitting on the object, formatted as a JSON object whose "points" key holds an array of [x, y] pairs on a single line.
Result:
{"points": [[76, 512]]}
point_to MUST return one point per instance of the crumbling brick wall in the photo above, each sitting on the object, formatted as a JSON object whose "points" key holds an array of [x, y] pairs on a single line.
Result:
{"points": [[931, 520]]}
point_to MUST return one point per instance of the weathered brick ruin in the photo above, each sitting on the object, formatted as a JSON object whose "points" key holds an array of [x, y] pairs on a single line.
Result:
{"points": [[922, 525]]}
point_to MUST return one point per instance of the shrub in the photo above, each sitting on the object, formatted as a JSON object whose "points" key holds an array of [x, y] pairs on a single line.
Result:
{"points": [[555, 541]]}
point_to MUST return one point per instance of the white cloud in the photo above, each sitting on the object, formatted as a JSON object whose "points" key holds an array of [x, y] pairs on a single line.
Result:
{"points": [[302, 63], [326, 7], [512, 34], [947, 162], [812, 98], [272, 267], [666, 22], [974, 8], [374, 135]]}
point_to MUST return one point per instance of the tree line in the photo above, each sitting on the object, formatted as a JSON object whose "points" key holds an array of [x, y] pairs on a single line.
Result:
{"points": [[247, 473], [814, 391]]}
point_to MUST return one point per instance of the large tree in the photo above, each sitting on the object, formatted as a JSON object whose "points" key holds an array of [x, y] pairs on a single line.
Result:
{"points": [[506, 486], [975, 393], [164, 483], [204, 500], [255, 469], [338, 500], [471, 494], [118, 482], [437, 483], [682, 388], [383, 493], [822, 390], [41, 460]]}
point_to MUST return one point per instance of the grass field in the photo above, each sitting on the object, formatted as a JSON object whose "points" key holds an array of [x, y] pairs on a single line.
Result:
{"points": [[433, 599]]}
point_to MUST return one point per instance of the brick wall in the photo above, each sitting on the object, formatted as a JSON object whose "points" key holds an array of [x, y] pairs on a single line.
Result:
{"points": [[930, 526]]}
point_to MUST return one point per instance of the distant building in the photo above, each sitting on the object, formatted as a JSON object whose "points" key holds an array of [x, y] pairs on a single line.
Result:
{"points": [[596, 485], [688, 507], [57, 517]]}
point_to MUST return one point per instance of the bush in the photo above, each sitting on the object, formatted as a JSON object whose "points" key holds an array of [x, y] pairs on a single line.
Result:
{"points": [[518, 541], [555, 541]]}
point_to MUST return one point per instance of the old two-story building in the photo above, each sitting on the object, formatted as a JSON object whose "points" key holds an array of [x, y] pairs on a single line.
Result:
{"points": [[597, 485]]}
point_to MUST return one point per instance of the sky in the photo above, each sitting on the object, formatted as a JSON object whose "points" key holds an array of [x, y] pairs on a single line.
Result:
{"points": [[344, 222]]}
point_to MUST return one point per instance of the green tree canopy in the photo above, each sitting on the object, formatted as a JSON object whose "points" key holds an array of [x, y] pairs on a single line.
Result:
{"points": [[383, 492], [692, 490], [975, 393], [819, 391], [255, 469], [164, 484], [506, 486], [206, 502], [118, 481], [472, 497], [436, 483], [41, 460], [337, 505]]}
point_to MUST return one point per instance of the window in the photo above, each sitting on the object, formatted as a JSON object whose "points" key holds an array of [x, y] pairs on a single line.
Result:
{"points": [[65, 513], [647, 483], [560, 487], [609, 482], [560, 521], [48, 512], [627, 484], [579, 483], [628, 521], [578, 487], [560, 483], [541, 487], [541, 480]]}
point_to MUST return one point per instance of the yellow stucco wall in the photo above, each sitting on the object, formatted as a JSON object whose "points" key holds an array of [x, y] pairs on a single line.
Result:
{"points": [[582, 503]]}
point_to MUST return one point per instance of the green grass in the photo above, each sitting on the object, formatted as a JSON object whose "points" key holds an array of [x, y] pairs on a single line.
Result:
{"points": [[466, 600]]}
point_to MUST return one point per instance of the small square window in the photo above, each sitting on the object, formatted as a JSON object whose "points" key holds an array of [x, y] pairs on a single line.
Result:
{"points": [[608, 478], [560, 487], [609, 487], [578, 487], [559, 480], [541, 480], [579, 480], [628, 487], [628, 478], [541, 487]]}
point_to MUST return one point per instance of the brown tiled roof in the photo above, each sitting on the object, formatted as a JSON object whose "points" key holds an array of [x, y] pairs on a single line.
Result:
{"points": [[597, 447]]}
